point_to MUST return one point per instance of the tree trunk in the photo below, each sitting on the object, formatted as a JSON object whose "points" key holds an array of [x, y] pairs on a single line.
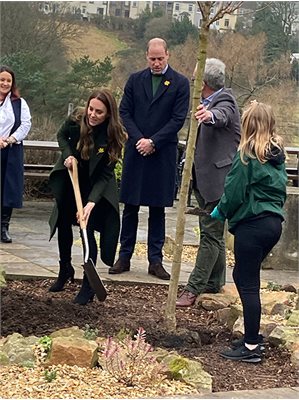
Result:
{"points": [[170, 319]]}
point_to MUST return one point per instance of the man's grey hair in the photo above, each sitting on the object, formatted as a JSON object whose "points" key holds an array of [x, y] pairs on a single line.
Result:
{"points": [[214, 74]]}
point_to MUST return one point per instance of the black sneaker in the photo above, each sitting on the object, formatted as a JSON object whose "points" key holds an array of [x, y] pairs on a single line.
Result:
{"points": [[243, 354], [235, 344]]}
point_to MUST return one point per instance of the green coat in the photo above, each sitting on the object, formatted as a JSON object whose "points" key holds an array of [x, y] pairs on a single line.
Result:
{"points": [[253, 189], [103, 185]]}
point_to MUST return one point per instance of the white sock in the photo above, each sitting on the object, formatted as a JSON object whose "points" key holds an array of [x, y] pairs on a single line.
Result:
{"points": [[251, 346]]}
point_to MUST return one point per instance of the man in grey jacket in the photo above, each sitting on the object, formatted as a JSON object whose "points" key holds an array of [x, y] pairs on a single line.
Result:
{"points": [[217, 142]]}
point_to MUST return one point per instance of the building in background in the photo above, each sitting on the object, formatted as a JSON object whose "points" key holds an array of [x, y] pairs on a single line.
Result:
{"points": [[178, 10]]}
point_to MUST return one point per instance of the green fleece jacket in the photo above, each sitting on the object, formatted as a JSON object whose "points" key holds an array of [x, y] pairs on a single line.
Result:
{"points": [[253, 188]]}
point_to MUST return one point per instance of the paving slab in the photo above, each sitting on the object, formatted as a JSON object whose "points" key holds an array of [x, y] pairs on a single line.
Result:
{"points": [[39, 257]]}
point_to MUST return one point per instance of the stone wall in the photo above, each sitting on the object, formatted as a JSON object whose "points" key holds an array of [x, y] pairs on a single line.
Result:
{"points": [[284, 255]]}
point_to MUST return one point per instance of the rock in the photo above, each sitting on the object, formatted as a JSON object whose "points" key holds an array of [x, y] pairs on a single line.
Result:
{"points": [[283, 335], [4, 359], [19, 349], [231, 290], [269, 299], [293, 319], [228, 316], [279, 309], [189, 371], [267, 326], [212, 302], [289, 288], [295, 353], [73, 331], [73, 351], [2, 277], [295, 358]]}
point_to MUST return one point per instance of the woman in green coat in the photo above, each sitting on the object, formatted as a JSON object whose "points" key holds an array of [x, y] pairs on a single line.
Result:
{"points": [[94, 137], [253, 199]]}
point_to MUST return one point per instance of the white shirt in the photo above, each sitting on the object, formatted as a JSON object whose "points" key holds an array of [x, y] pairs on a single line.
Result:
{"points": [[7, 120]]}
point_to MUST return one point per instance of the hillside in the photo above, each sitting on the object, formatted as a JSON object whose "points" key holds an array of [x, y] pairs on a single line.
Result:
{"points": [[95, 43]]}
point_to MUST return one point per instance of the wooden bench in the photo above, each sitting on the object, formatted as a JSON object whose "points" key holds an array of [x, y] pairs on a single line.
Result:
{"points": [[39, 170], [292, 164]]}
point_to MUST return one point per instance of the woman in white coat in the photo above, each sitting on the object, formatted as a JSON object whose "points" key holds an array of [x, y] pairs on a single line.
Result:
{"points": [[15, 123]]}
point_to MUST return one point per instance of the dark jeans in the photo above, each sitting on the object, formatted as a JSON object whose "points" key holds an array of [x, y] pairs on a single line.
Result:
{"points": [[155, 236], [253, 241], [67, 218], [210, 265]]}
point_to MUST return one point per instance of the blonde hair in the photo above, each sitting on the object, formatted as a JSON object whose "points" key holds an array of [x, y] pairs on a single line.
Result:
{"points": [[258, 133], [115, 130]]}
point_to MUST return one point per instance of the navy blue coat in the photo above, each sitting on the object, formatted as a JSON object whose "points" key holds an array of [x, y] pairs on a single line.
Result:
{"points": [[150, 180], [12, 167]]}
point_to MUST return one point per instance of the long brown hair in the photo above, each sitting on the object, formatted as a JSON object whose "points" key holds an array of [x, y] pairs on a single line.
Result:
{"points": [[258, 132], [116, 134], [15, 94]]}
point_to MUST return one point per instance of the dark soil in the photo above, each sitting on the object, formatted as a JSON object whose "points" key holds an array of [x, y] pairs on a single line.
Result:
{"points": [[28, 308]]}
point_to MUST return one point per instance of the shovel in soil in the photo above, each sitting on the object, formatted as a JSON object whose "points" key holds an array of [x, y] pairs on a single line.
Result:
{"points": [[89, 268]]}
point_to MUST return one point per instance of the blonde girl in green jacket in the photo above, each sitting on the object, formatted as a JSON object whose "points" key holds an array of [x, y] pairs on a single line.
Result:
{"points": [[253, 199]]}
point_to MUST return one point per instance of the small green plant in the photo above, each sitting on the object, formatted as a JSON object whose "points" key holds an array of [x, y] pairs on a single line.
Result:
{"points": [[42, 349], [128, 360], [90, 333], [50, 375], [275, 287], [46, 343], [123, 333], [28, 364]]}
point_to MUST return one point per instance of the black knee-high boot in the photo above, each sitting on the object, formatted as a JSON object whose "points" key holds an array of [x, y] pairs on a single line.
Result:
{"points": [[66, 272], [86, 293], [5, 219]]}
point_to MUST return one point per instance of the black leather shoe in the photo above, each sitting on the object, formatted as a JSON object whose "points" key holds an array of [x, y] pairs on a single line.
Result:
{"points": [[66, 273], [5, 238], [158, 270], [121, 265]]}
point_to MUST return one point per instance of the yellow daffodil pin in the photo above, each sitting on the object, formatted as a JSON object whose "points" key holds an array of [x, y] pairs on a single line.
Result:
{"points": [[101, 150], [166, 83]]}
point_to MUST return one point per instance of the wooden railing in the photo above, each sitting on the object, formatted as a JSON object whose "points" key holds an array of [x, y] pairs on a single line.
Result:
{"points": [[39, 169], [42, 169]]}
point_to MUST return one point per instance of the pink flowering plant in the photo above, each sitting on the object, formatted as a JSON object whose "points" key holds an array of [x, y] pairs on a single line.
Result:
{"points": [[130, 362]]}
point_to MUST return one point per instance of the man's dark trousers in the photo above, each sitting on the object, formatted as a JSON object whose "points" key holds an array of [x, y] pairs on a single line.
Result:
{"points": [[210, 265], [156, 232]]}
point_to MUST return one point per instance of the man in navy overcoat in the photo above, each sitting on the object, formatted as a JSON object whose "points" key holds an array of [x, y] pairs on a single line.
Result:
{"points": [[153, 109]]}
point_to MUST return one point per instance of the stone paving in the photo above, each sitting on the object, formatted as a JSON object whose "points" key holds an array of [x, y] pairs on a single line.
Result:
{"points": [[31, 255]]}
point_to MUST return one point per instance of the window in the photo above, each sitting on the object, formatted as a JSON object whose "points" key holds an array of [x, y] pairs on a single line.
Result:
{"points": [[134, 4], [177, 7], [117, 12], [127, 13], [100, 11], [226, 23], [190, 8], [83, 10]]}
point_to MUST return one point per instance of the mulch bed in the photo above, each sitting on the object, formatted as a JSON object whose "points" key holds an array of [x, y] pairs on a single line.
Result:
{"points": [[28, 308]]}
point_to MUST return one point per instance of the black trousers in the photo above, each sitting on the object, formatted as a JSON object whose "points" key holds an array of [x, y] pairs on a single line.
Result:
{"points": [[66, 219], [253, 241], [155, 237]]}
